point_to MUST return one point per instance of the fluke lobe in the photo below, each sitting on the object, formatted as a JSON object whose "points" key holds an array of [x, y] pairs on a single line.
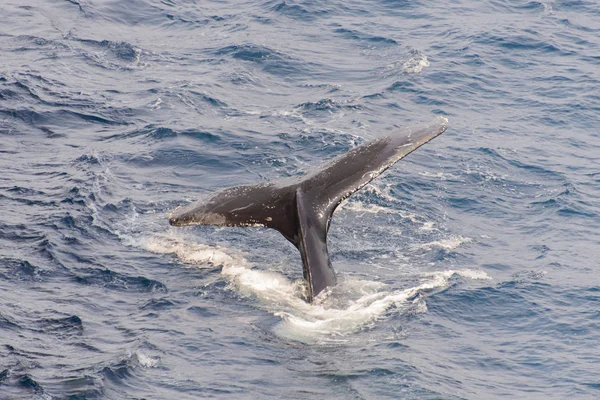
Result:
{"points": [[301, 208]]}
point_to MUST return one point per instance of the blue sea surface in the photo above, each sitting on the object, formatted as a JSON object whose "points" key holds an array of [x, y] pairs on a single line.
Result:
{"points": [[470, 270]]}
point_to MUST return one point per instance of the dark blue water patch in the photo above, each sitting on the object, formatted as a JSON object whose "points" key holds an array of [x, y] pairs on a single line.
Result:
{"points": [[50, 134], [564, 92], [401, 6], [47, 252], [4, 374], [122, 51], [253, 53], [203, 97], [59, 117], [202, 312], [85, 346], [347, 377], [35, 43], [26, 381], [77, 4], [594, 385], [78, 227], [159, 304], [192, 21], [512, 178], [582, 298], [21, 270], [534, 6], [114, 212], [113, 280], [404, 87], [8, 323], [308, 11], [325, 144], [540, 171], [16, 383], [541, 249], [505, 305], [431, 100], [244, 79], [68, 221], [118, 373], [152, 133], [474, 60], [363, 37], [138, 12], [77, 388], [529, 43], [183, 158], [323, 104], [581, 28], [270, 60], [63, 327], [29, 201], [20, 233], [45, 91], [515, 306], [566, 202], [17, 92], [91, 159], [75, 197], [326, 107], [584, 7]]}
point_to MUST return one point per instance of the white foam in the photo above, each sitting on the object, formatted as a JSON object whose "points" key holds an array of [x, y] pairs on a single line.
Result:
{"points": [[383, 193], [200, 255], [156, 104], [323, 322], [146, 361], [547, 9], [359, 207], [415, 63], [263, 284], [450, 243], [335, 314], [473, 274], [441, 175], [428, 227], [362, 208], [282, 113]]}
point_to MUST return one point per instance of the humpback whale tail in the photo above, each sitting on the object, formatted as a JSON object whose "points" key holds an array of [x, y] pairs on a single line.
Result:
{"points": [[301, 208]]}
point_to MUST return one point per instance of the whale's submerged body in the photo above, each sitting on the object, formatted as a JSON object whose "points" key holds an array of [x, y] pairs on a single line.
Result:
{"points": [[301, 209]]}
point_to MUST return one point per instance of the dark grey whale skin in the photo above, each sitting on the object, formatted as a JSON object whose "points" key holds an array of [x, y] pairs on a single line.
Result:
{"points": [[302, 208]]}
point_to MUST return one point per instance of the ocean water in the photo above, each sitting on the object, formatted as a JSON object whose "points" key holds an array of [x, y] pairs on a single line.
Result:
{"points": [[470, 270]]}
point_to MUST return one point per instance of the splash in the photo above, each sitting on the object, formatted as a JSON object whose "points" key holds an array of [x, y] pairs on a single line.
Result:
{"points": [[200, 255], [336, 313], [365, 208], [335, 318], [450, 243], [145, 361], [416, 63]]}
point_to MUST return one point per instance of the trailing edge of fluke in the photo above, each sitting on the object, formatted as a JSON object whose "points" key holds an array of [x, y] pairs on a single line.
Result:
{"points": [[301, 208]]}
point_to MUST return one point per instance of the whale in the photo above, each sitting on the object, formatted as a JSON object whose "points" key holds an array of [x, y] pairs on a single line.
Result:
{"points": [[301, 208]]}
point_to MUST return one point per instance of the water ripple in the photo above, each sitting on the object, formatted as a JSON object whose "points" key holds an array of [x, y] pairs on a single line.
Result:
{"points": [[466, 271]]}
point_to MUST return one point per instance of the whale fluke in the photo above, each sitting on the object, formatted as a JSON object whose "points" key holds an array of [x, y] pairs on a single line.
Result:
{"points": [[301, 208]]}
